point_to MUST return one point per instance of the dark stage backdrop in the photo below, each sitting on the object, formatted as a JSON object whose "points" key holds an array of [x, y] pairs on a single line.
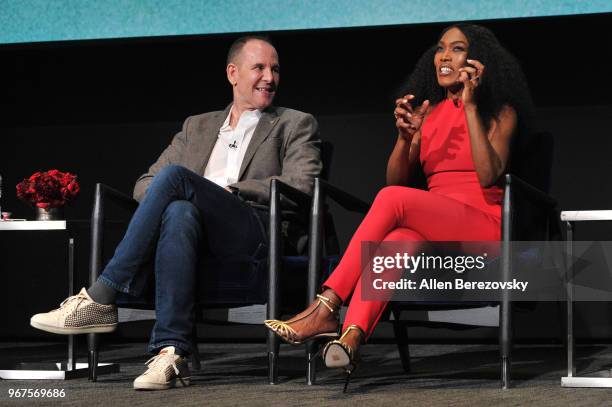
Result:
{"points": [[106, 109]]}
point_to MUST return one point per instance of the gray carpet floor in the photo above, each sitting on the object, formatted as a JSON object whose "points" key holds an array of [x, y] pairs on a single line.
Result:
{"points": [[235, 374]]}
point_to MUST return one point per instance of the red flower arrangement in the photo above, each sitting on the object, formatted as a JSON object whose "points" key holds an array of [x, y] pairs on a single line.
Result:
{"points": [[48, 189]]}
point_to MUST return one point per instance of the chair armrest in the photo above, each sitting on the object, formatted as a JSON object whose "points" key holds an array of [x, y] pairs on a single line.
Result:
{"points": [[103, 195], [343, 198], [116, 196], [529, 191], [303, 201], [298, 197], [347, 201], [528, 213]]}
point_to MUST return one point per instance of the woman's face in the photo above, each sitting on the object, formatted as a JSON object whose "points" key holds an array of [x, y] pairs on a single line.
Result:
{"points": [[451, 54]]}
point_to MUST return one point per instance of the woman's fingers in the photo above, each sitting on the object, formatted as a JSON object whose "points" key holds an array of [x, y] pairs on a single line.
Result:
{"points": [[399, 112], [423, 108], [402, 124], [471, 71], [404, 102], [476, 77], [477, 64], [407, 119], [412, 121], [404, 99], [463, 78]]}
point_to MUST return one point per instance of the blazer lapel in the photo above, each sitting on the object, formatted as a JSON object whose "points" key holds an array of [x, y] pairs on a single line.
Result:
{"points": [[210, 134], [263, 129]]}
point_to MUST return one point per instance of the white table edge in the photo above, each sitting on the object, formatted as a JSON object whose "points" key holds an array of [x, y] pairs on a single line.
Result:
{"points": [[577, 216], [33, 225]]}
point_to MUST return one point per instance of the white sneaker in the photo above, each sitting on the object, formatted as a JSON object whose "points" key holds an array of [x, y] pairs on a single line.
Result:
{"points": [[163, 372], [78, 314]]}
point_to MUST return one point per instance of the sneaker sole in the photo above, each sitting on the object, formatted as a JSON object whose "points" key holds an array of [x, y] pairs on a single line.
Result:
{"points": [[162, 386], [96, 329]]}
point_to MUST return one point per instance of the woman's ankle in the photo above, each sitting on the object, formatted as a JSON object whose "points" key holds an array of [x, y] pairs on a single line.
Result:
{"points": [[332, 296], [354, 338]]}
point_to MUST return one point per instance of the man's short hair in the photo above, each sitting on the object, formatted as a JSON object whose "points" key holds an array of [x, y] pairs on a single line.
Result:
{"points": [[237, 46]]}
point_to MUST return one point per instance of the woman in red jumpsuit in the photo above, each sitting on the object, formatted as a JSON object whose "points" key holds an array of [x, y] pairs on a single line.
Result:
{"points": [[467, 99]]}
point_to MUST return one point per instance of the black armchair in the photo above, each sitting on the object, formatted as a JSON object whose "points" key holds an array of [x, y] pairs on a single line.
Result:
{"points": [[319, 245], [285, 273], [528, 214], [219, 294]]}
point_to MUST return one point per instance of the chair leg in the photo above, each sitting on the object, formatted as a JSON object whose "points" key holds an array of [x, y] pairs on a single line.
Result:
{"points": [[505, 372], [273, 348], [274, 265], [92, 356], [313, 349], [196, 363], [400, 330], [505, 343]]}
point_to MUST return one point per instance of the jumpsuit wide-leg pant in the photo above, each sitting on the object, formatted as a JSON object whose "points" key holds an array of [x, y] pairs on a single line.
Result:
{"points": [[404, 214]]}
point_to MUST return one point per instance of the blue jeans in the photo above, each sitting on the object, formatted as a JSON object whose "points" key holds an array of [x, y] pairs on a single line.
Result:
{"points": [[181, 213]]}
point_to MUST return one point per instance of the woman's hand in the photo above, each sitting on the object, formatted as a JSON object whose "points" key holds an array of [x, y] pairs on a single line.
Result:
{"points": [[408, 120], [470, 76]]}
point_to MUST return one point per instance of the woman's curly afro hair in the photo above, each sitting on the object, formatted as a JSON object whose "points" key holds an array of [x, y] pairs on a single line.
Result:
{"points": [[503, 82]]}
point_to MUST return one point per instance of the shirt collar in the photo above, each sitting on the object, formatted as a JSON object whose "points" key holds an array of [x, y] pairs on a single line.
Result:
{"points": [[246, 118]]}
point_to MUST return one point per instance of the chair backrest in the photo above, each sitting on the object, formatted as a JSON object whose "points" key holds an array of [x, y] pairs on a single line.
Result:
{"points": [[220, 287], [331, 244], [531, 159], [327, 154]]}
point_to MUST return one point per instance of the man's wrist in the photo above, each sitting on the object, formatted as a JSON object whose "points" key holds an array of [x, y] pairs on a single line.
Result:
{"points": [[232, 190]]}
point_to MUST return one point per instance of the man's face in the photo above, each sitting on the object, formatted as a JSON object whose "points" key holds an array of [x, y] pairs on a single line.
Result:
{"points": [[254, 75]]}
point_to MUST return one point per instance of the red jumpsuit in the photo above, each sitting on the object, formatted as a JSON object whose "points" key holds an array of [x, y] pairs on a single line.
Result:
{"points": [[455, 208]]}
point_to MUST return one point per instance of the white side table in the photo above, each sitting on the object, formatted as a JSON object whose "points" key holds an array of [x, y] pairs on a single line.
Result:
{"points": [[597, 379], [61, 370]]}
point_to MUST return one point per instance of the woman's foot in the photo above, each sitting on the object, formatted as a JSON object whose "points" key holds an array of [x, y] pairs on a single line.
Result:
{"points": [[344, 352], [320, 319], [354, 338]]}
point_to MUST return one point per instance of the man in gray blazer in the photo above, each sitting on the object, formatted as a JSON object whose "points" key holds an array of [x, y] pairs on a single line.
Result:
{"points": [[198, 193]]}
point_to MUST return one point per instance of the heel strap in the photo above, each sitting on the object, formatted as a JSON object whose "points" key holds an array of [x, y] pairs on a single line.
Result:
{"points": [[353, 328], [345, 346], [329, 304]]}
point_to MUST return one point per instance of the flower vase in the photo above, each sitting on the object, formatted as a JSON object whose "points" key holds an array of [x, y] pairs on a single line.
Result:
{"points": [[49, 213]]}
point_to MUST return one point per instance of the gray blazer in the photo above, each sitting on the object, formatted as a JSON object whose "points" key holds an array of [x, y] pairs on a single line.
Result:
{"points": [[285, 145]]}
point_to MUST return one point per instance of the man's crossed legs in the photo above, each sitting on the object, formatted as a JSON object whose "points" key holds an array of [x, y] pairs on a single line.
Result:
{"points": [[181, 213]]}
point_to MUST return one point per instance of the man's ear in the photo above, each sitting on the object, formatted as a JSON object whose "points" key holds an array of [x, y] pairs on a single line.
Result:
{"points": [[231, 73]]}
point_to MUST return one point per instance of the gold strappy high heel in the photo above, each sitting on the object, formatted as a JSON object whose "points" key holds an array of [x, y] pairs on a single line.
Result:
{"points": [[289, 335], [338, 354]]}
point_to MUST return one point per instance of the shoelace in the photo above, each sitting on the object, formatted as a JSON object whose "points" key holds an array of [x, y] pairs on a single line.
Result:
{"points": [[155, 360], [69, 300]]}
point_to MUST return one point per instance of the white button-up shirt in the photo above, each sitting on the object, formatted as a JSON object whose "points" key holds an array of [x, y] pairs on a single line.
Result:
{"points": [[227, 155]]}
